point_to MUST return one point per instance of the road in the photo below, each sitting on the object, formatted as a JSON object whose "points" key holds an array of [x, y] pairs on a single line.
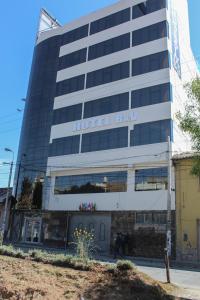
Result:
{"points": [[181, 277]]}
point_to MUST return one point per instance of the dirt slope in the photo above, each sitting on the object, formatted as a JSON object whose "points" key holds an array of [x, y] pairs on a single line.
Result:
{"points": [[24, 279]]}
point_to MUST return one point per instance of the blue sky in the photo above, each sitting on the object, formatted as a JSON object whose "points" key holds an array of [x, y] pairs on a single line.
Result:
{"points": [[18, 25]]}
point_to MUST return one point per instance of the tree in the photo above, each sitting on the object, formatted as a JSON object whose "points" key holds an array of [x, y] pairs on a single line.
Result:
{"points": [[190, 120], [25, 199], [37, 195]]}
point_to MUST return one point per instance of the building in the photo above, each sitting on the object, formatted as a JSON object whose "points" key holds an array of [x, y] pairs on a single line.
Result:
{"points": [[3, 194], [187, 209], [101, 104]]}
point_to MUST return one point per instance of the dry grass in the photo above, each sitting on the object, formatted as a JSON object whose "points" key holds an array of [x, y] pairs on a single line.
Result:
{"points": [[25, 279]]}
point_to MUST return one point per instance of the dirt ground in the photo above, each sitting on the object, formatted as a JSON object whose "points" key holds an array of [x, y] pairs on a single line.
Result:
{"points": [[24, 279]]}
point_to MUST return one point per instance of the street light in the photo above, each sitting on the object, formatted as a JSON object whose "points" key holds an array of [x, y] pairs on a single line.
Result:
{"points": [[7, 195]]}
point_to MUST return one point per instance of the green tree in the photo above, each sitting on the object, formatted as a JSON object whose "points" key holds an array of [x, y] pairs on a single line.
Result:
{"points": [[37, 195], [190, 120], [25, 199]]}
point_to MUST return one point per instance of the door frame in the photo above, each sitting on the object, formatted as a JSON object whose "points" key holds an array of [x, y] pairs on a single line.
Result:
{"points": [[32, 219]]}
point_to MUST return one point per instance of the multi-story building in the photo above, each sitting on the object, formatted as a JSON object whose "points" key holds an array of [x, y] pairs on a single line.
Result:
{"points": [[101, 104]]}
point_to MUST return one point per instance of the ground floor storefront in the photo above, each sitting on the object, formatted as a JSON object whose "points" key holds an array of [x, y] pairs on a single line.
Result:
{"points": [[144, 232]]}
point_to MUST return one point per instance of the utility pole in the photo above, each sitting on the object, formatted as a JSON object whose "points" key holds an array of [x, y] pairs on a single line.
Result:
{"points": [[6, 203], [169, 201]]}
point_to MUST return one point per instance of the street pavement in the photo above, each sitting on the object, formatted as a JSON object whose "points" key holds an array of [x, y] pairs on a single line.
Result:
{"points": [[183, 277]]}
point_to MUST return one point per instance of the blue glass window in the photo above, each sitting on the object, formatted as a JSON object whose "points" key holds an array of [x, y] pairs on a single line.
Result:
{"points": [[150, 63], [147, 7], [110, 46], [75, 34], [106, 105], [64, 146], [72, 59], [151, 95], [105, 139], [150, 33], [108, 74], [151, 133], [151, 179], [110, 21], [67, 114], [70, 85]]}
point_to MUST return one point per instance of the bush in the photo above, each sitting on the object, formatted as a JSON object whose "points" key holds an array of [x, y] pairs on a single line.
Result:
{"points": [[111, 268], [84, 242], [125, 265], [45, 257]]}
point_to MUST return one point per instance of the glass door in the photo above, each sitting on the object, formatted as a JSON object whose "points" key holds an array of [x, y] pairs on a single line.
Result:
{"points": [[32, 230]]}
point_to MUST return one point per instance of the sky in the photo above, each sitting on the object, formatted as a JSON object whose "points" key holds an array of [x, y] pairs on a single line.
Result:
{"points": [[18, 26]]}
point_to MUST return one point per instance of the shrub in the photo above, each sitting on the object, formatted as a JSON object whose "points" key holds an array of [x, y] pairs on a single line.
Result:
{"points": [[125, 265], [111, 268], [84, 242], [45, 257]]}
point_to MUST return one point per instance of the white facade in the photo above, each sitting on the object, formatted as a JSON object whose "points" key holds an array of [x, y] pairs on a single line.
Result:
{"points": [[130, 158]]}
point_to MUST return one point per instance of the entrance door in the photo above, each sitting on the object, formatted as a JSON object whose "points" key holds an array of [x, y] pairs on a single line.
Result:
{"points": [[99, 225], [32, 230]]}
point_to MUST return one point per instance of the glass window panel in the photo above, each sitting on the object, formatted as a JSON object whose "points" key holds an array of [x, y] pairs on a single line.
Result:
{"points": [[147, 7], [105, 139], [67, 114], [150, 63], [149, 33], [110, 46], [152, 132], [109, 182], [75, 34], [151, 179], [151, 95], [64, 146], [110, 21], [70, 85], [72, 59], [108, 74]]}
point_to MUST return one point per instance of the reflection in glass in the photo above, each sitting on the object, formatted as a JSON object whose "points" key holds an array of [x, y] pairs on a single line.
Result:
{"points": [[91, 183]]}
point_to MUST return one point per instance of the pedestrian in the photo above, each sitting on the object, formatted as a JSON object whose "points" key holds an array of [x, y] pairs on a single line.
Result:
{"points": [[117, 245]]}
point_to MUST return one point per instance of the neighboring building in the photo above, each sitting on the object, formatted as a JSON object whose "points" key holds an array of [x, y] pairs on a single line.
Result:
{"points": [[3, 194], [187, 209], [101, 102]]}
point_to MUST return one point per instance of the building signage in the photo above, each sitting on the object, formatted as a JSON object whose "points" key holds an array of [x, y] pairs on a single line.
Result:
{"points": [[105, 120]]}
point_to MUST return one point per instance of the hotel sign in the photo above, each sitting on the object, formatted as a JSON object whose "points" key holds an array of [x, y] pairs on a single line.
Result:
{"points": [[96, 122]]}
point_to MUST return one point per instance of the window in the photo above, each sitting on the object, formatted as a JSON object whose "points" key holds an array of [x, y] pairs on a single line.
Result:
{"points": [[110, 182], [110, 21], [67, 114], [151, 179], [148, 7], [110, 46], [150, 63], [105, 139], [154, 218], [150, 33], [75, 34], [108, 74], [106, 105], [70, 85], [64, 146], [72, 59], [151, 95], [144, 218], [151, 133]]}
